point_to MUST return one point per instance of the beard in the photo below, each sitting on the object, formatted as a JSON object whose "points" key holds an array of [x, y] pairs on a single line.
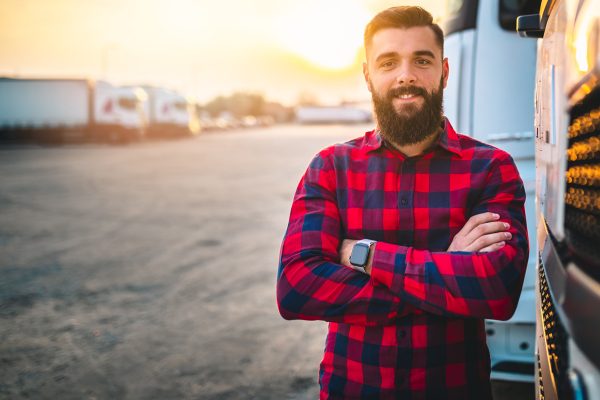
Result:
{"points": [[410, 125]]}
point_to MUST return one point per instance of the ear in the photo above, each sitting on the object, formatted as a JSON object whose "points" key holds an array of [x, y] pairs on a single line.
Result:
{"points": [[445, 71], [366, 75]]}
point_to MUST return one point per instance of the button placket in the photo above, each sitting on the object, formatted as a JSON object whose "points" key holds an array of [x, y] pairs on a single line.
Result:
{"points": [[405, 201], [404, 355]]}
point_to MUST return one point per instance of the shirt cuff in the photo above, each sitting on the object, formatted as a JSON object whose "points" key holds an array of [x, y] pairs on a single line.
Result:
{"points": [[389, 264]]}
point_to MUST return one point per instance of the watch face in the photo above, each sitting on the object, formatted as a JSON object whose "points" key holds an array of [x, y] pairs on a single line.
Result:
{"points": [[360, 253]]}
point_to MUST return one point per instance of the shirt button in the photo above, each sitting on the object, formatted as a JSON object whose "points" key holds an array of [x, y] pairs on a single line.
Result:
{"points": [[404, 201]]}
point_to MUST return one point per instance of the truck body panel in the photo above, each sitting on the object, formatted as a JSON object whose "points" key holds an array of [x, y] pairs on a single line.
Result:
{"points": [[64, 109], [39, 103]]}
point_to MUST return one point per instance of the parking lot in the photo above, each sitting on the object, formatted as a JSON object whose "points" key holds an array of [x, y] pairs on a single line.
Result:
{"points": [[148, 271]]}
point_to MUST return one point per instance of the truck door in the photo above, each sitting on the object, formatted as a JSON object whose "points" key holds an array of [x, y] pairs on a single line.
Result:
{"points": [[490, 97]]}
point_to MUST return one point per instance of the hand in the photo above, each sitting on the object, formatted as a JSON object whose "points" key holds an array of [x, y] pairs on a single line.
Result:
{"points": [[483, 233]]}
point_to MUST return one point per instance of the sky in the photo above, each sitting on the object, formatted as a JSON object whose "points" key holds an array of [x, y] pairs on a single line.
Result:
{"points": [[282, 49]]}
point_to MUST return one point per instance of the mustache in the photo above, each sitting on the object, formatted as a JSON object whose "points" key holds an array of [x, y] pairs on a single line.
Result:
{"points": [[404, 90]]}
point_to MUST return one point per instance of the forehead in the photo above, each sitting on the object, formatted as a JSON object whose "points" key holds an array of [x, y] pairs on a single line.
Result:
{"points": [[403, 41]]}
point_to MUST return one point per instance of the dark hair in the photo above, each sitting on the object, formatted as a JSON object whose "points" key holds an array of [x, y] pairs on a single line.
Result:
{"points": [[403, 17]]}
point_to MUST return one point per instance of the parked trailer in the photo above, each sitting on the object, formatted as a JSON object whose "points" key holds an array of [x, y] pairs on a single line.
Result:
{"points": [[169, 113], [58, 110], [567, 125]]}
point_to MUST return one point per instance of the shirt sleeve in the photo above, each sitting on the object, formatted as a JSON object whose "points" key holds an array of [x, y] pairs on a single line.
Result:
{"points": [[311, 283], [466, 284]]}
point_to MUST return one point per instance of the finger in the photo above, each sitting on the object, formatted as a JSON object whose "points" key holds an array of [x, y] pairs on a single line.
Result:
{"points": [[483, 229], [486, 229], [488, 240], [493, 247], [477, 220]]}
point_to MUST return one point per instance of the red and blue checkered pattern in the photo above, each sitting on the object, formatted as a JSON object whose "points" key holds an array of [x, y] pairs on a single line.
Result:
{"points": [[414, 328]]}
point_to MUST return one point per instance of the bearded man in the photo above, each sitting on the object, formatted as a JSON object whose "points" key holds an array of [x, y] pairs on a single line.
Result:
{"points": [[406, 238]]}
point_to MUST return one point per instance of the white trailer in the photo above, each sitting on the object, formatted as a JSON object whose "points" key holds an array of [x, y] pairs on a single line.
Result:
{"points": [[332, 115], [169, 113], [57, 110]]}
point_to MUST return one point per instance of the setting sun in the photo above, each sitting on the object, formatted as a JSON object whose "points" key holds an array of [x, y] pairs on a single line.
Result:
{"points": [[281, 48], [328, 35]]}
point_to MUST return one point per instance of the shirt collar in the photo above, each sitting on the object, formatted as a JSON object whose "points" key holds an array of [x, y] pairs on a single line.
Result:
{"points": [[447, 140]]}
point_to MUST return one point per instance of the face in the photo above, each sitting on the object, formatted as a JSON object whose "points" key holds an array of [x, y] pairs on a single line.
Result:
{"points": [[406, 75]]}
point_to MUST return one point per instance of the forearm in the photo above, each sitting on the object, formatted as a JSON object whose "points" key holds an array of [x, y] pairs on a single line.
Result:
{"points": [[312, 284], [315, 289], [466, 284]]}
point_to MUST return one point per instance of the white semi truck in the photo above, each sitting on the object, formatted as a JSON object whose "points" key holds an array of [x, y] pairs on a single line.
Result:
{"points": [[567, 130], [490, 97], [169, 113], [58, 110]]}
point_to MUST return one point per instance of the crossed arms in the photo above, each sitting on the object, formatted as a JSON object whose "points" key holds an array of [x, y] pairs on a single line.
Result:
{"points": [[479, 276]]}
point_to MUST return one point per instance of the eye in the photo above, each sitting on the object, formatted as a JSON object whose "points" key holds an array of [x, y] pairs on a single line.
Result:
{"points": [[422, 61], [387, 64]]}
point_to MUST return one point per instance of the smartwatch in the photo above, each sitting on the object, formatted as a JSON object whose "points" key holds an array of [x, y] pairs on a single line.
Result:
{"points": [[360, 254]]}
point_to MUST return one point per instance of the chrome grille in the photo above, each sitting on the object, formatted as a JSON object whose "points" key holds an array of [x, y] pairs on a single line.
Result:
{"points": [[582, 195], [540, 380], [556, 339]]}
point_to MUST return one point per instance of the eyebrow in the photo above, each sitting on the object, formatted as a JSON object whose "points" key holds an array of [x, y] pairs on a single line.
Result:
{"points": [[389, 54], [424, 53], [392, 54]]}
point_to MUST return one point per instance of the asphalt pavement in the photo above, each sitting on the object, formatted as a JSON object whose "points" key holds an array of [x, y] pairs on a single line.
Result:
{"points": [[148, 271]]}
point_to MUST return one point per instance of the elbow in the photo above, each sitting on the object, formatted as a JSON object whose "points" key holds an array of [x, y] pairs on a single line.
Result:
{"points": [[284, 305], [505, 287], [285, 313], [503, 317], [296, 284], [283, 310], [503, 309]]}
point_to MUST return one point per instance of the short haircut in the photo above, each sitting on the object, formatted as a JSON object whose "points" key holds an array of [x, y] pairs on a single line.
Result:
{"points": [[403, 17]]}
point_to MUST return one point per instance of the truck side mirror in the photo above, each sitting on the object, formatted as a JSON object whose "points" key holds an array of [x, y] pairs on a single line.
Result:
{"points": [[528, 26]]}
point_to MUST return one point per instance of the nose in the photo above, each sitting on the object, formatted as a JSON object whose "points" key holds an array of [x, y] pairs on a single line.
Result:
{"points": [[406, 75]]}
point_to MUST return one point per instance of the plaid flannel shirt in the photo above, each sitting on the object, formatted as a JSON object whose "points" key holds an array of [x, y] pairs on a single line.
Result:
{"points": [[414, 328]]}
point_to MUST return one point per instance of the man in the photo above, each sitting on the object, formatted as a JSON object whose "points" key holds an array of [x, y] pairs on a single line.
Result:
{"points": [[405, 239]]}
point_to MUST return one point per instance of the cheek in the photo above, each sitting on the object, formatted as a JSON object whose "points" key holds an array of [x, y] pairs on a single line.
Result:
{"points": [[434, 79], [381, 84], [429, 85]]}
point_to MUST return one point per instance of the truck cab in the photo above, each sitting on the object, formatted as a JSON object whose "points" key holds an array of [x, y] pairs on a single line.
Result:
{"points": [[119, 113], [170, 114], [489, 96]]}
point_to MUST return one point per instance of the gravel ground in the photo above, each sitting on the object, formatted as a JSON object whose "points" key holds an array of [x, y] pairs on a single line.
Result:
{"points": [[148, 271]]}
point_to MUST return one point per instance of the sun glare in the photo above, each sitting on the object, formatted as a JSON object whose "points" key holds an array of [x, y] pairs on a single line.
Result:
{"points": [[326, 34]]}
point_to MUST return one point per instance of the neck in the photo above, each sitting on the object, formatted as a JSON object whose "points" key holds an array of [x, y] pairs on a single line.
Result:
{"points": [[415, 149]]}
